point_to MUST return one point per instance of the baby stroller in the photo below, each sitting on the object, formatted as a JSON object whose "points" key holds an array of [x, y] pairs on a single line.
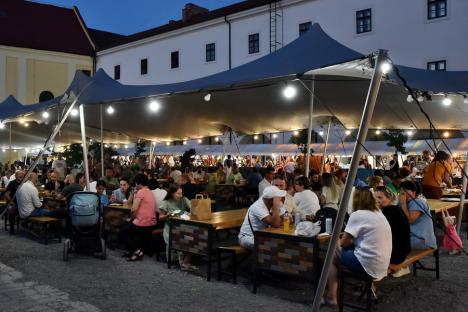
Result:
{"points": [[84, 225]]}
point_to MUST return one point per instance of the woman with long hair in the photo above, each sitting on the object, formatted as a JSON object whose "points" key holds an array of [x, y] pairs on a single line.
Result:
{"points": [[438, 172], [331, 190]]}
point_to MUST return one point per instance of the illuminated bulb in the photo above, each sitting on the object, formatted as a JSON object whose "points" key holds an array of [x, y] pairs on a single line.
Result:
{"points": [[116, 146], [386, 67], [409, 98], [199, 141], [216, 139], [296, 132], [22, 121], [45, 115], [74, 112], [26, 124], [106, 145], [465, 99], [14, 151], [377, 132], [185, 142], [289, 92], [321, 133], [126, 146], [2, 125], [110, 110], [275, 136], [255, 137], [4, 150], [207, 97], [273, 155], [348, 132], [420, 98], [409, 133], [447, 101], [168, 143], [446, 134], [154, 106]]}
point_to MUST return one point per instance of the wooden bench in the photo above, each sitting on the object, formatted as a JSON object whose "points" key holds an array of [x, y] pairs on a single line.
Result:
{"points": [[413, 259], [233, 252], [45, 223]]}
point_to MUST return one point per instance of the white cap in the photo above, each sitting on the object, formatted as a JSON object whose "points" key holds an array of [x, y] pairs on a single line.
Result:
{"points": [[273, 191]]}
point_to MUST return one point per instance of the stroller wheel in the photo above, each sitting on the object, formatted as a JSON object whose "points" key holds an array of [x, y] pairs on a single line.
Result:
{"points": [[66, 248], [103, 249]]}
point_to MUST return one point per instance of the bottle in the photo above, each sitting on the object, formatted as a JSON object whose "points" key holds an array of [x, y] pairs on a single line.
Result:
{"points": [[297, 218], [328, 225], [286, 222]]}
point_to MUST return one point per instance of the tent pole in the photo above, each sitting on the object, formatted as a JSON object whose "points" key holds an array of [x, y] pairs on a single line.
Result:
{"points": [[102, 141], [85, 147], [9, 152], [325, 148], [309, 132], [462, 196], [361, 138], [150, 155]]}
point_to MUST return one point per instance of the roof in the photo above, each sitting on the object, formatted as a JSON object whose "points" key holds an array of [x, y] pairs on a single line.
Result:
{"points": [[42, 27], [104, 38], [195, 19]]}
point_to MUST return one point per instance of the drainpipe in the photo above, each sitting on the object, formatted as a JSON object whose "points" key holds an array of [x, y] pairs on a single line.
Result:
{"points": [[230, 58]]}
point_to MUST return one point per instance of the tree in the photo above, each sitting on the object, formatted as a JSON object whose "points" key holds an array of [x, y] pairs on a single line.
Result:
{"points": [[140, 148], [396, 139], [301, 141], [187, 159], [73, 154]]}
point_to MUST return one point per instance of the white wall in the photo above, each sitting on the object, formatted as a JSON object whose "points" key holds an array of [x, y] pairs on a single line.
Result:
{"points": [[400, 26]]}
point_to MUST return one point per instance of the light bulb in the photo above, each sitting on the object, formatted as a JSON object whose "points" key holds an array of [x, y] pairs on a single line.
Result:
{"points": [[420, 98], [377, 132], [154, 106], [409, 133], [110, 110], [4, 150], [45, 115], [289, 92], [199, 141], [26, 124], [447, 101], [275, 136], [296, 132], [14, 151], [321, 133], [2, 125], [216, 139], [74, 112], [22, 121], [409, 98], [168, 143], [185, 142], [255, 137], [446, 134], [207, 97], [106, 145], [385, 67], [348, 132], [126, 146], [116, 146]]}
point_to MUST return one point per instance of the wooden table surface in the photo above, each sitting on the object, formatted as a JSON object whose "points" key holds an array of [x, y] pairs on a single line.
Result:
{"points": [[120, 206], [438, 205], [224, 219], [280, 230]]}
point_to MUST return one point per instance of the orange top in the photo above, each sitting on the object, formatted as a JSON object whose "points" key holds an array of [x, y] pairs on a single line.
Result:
{"points": [[435, 173]]}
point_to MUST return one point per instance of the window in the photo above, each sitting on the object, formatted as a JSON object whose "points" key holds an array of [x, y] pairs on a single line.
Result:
{"points": [[210, 52], [175, 59], [45, 96], [144, 66], [254, 43], [304, 27], [437, 66], [436, 8], [117, 72], [363, 21], [87, 72]]}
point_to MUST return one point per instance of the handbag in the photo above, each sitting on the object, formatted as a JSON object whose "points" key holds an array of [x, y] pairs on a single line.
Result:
{"points": [[201, 208]]}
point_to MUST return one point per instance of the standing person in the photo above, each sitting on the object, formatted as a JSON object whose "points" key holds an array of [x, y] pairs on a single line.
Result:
{"points": [[253, 180], [439, 171], [134, 233], [267, 180], [111, 181], [400, 227], [331, 190], [289, 168], [6, 178], [228, 165], [419, 216], [235, 177], [175, 204], [394, 165], [266, 211], [366, 244], [60, 164], [306, 201]]}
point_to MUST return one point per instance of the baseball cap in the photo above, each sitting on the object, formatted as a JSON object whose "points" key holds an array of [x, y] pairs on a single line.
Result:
{"points": [[273, 191]]}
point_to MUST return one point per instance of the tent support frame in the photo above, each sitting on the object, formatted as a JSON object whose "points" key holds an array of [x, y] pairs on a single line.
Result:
{"points": [[325, 147], [462, 196], [102, 141], [309, 131], [361, 138], [85, 146]]}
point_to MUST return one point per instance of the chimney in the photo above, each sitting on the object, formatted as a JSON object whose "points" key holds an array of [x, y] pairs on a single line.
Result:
{"points": [[190, 10]]}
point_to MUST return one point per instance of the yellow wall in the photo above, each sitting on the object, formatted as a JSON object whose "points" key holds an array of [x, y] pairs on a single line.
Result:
{"points": [[45, 76], [11, 76]]}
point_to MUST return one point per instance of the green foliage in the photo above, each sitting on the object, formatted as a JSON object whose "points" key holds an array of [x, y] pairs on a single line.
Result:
{"points": [[187, 159], [95, 150], [301, 140], [396, 139], [73, 154], [139, 147]]}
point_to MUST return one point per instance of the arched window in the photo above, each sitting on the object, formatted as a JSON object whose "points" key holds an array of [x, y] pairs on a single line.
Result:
{"points": [[45, 96]]}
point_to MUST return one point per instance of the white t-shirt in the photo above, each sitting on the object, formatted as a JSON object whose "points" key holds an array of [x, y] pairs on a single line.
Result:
{"points": [[373, 241], [290, 166], [262, 186], [6, 180], [307, 202], [159, 195], [60, 165], [257, 211], [27, 197]]}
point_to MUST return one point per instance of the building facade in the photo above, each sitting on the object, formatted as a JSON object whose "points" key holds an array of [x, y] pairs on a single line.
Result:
{"points": [[418, 33]]}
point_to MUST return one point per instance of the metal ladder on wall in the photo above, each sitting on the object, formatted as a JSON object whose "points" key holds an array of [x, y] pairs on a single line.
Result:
{"points": [[276, 25]]}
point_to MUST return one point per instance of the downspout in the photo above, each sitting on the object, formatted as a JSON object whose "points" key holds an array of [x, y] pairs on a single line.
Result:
{"points": [[230, 56]]}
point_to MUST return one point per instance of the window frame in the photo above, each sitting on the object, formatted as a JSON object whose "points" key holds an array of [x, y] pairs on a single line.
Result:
{"points": [[363, 19], [144, 66], [437, 65], [437, 4], [117, 72], [210, 52], [254, 43], [302, 31], [172, 60]]}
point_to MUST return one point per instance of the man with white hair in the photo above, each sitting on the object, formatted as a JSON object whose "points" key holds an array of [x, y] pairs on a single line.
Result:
{"points": [[267, 210]]}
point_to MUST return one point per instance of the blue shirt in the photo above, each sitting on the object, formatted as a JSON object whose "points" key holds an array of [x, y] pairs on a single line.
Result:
{"points": [[422, 229], [104, 200]]}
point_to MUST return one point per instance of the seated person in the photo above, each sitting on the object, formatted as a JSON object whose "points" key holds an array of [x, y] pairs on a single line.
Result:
{"points": [[190, 190], [29, 204], [111, 181], [306, 201], [199, 175], [234, 177], [53, 188], [101, 191], [398, 223], [289, 204], [419, 216], [124, 192], [266, 211], [13, 185], [366, 244], [267, 180], [78, 186]]}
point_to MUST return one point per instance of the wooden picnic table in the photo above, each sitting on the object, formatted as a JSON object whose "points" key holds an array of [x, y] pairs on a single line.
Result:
{"points": [[285, 252], [126, 207], [437, 205], [198, 236]]}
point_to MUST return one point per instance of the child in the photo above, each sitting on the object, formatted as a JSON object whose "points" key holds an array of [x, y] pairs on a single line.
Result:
{"points": [[101, 191], [451, 240]]}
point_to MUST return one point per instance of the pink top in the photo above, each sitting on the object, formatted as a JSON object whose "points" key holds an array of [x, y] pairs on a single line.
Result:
{"points": [[146, 213]]}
